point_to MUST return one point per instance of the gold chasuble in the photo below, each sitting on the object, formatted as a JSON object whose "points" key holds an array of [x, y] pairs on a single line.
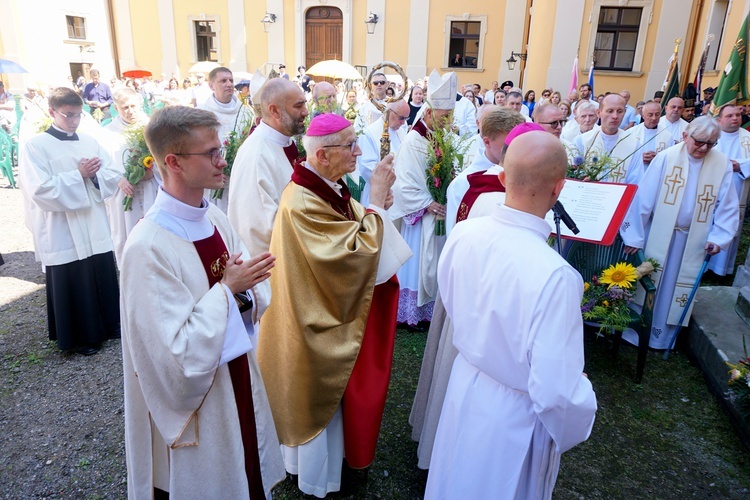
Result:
{"points": [[327, 248]]}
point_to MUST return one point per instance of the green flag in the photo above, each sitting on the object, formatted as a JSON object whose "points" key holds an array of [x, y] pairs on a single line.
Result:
{"points": [[673, 86], [733, 84]]}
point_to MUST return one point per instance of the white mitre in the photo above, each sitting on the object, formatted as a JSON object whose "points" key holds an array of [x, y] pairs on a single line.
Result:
{"points": [[441, 92], [256, 83]]}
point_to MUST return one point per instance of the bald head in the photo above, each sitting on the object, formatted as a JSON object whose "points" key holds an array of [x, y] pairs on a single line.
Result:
{"points": [[650, 114], [324, 92], [535, 165], [277, 90], [399, 113], [611, 112], [674, 109], [550, 117]]}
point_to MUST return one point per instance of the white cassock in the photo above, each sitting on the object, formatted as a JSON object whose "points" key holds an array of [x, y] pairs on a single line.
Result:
{"points": [[465, 117], [367, 114], [261, 171], [176, 376], [440, 353], [517, 397], [458, 187], [201, 93], [65, 212], [736, 146], [232, 116], [418, 277], [475, 146], [120, 221], [620, 147], [674, 129], [369, 143], [703, 207]]}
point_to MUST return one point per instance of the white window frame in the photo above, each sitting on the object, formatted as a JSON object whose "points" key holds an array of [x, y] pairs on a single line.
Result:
{"points": [[647, 11], [482, 19], [718, 42], [194, 38]]}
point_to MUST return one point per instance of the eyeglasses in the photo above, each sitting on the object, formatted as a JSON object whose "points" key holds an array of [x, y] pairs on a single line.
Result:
{"points": [[70, 116], [700, 144], [379, 82], [351, 146], [401, 118], [554, 124], [216, 154]]}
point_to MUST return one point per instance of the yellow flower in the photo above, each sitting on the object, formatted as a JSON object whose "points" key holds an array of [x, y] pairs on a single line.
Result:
{"points": [[605, 303], [148, 161], [586, 286], [620, 274]]}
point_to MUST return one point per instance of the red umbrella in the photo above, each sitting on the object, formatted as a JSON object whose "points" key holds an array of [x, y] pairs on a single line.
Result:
{"points": [[136, 72]]}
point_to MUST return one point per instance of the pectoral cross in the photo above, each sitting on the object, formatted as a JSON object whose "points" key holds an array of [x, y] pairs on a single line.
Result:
{"points": [[682, 300], [746, 146], [706, 202], [674, 182]]}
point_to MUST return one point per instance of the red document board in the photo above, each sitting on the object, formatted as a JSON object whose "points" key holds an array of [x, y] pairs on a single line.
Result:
{"points": [[597, 208]]}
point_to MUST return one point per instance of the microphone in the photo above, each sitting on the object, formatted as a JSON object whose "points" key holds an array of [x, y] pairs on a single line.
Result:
{"points": [[565, 217]]}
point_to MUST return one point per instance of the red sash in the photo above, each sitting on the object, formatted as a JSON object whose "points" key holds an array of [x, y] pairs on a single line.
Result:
{"points": [[214, 255], [478, 184], [292, 153], [364, 397]]}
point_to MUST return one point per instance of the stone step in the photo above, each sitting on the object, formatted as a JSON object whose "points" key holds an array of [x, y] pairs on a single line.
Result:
{"points": [[715, 336]]}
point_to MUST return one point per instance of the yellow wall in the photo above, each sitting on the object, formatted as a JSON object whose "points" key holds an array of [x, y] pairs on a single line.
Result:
{"points": [[359, 33], [397, 38], [144, 18], [182, 11], [543, 31], [731, 30], [257, 39], [493, 40]]}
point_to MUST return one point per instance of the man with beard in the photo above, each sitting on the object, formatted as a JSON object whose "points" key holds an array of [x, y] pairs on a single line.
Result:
{"points": [[263, 165], [232, 115]]}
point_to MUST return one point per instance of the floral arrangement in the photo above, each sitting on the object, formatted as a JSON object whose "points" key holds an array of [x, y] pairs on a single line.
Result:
{"points": [[739, 384], [596, 165], [230, 147], [445, 158], [136, 159], [606, 298]]}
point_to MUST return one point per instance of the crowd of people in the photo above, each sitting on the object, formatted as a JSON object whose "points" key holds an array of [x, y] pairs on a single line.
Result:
{"points": [[259, 291]]}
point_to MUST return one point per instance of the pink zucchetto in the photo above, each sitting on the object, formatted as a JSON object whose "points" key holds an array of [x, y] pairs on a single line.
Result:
{"points": [[327, 124], [520, 130]]}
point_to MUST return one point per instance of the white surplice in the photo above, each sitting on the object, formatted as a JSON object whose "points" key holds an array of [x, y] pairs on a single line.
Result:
{"points": [[440, 353], [517, 397], [465, 117], [656, 140], [620, 147], [122, 222], [182, 432], [367, 114], [674, 129], [66, 212], [636, 228], [261, 171], [418, 277], [458, 187], [736, 146], [233, 116], [369, 143]]}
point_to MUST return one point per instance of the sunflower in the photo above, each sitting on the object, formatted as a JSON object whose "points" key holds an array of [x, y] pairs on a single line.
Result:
{"points": [[620, 274], [148, 161]]}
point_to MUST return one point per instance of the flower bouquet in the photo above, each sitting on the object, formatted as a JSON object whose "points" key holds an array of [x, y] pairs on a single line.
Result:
{"points": [[136, 159], [606, 298], [445, 157], [230, 147], [596, 165], [739, 384]]}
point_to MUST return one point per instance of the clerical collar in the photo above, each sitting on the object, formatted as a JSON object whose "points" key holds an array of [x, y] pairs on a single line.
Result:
{"points": [[333, 185], [272, 134], [226, 106], [176, 208], [60, 134]]}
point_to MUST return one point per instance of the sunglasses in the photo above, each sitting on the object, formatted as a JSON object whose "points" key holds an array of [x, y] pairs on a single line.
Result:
{"points": [[379, 82], [700, 144], [554, 124]]}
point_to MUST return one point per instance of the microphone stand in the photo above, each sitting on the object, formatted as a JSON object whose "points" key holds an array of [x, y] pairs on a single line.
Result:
{"points": [[557, 218]]}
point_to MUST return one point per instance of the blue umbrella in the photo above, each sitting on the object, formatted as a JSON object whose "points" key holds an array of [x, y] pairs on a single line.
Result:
{"points": [[7, 66]]}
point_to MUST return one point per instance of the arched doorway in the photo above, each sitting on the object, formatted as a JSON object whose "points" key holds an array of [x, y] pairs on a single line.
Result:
{"points": [[324, 35]]}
